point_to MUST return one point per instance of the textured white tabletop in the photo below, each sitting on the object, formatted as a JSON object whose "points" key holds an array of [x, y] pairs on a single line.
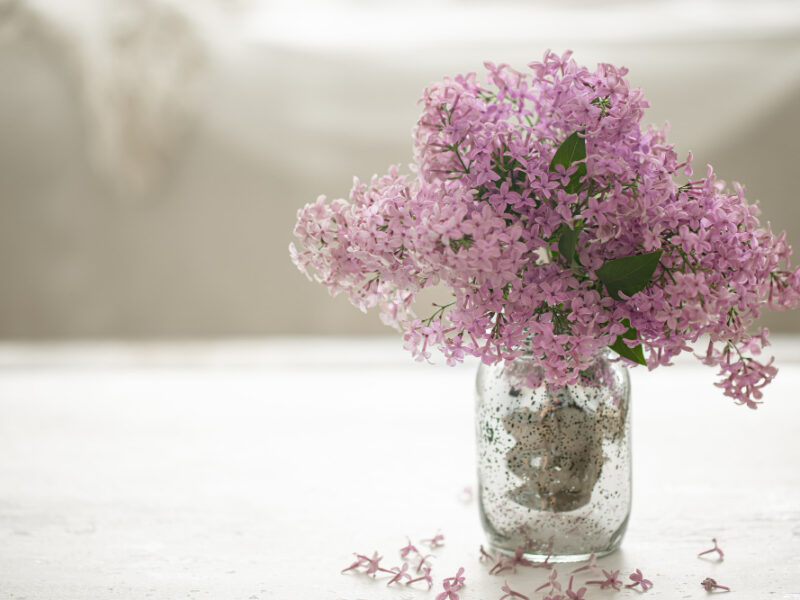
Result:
{"points": [[255, 470]]}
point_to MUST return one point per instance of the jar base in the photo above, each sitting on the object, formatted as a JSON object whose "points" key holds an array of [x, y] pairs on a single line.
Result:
{"points": [[553, 558]]}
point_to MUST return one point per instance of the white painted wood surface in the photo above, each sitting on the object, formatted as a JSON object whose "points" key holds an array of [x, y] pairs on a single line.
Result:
{"points": [[254, 470]]}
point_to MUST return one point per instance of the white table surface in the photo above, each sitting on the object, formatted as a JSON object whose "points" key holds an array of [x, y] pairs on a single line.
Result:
{"points": [[255, 470]]}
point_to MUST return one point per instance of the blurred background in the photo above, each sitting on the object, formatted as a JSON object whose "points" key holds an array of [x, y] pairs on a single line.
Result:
{"points": [[154, 153]]}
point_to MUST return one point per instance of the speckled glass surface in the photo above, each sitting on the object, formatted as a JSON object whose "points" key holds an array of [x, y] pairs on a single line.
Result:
{"points": [[554, 462]]}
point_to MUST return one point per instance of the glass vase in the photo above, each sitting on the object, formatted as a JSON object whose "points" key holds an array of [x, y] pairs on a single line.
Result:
{"points": [[554, 461]]}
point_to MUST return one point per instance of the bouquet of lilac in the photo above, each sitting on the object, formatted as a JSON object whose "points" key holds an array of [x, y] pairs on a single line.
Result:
{"points": [[560, 226]]}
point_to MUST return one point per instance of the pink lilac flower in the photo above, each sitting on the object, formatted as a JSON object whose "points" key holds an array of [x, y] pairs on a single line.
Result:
{"points": [[407, 549], [399, 574], [506, 563], [611, 580], [484, 555], [591, 564], [373, 564], [451, 586], [519, 557], [467, 495], [546, 562], [527, 189], [449, 593], [551, 582], [423, 562], [436, 541], [639, 580], [509, 593], [716, 548], [458, 579], [426, 576], [358, 563], [575, 595], [710, 584]]}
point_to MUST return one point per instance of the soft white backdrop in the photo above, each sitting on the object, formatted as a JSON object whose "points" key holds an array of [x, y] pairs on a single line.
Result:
{"points": [[153, 153]]}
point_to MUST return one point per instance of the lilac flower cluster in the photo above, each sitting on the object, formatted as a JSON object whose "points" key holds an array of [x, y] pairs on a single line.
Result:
{"points": [[552, 588], [560, 226], [372, 566]]}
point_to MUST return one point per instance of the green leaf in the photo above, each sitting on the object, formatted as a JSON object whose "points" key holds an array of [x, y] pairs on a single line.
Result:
{"points": [[575, 181], [566, 243], [462, 242], [636, 354], [629, 274], [573, 149]]}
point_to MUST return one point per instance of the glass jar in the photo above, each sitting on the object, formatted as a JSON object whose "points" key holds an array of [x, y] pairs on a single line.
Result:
{"points": [[554, 462]]}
